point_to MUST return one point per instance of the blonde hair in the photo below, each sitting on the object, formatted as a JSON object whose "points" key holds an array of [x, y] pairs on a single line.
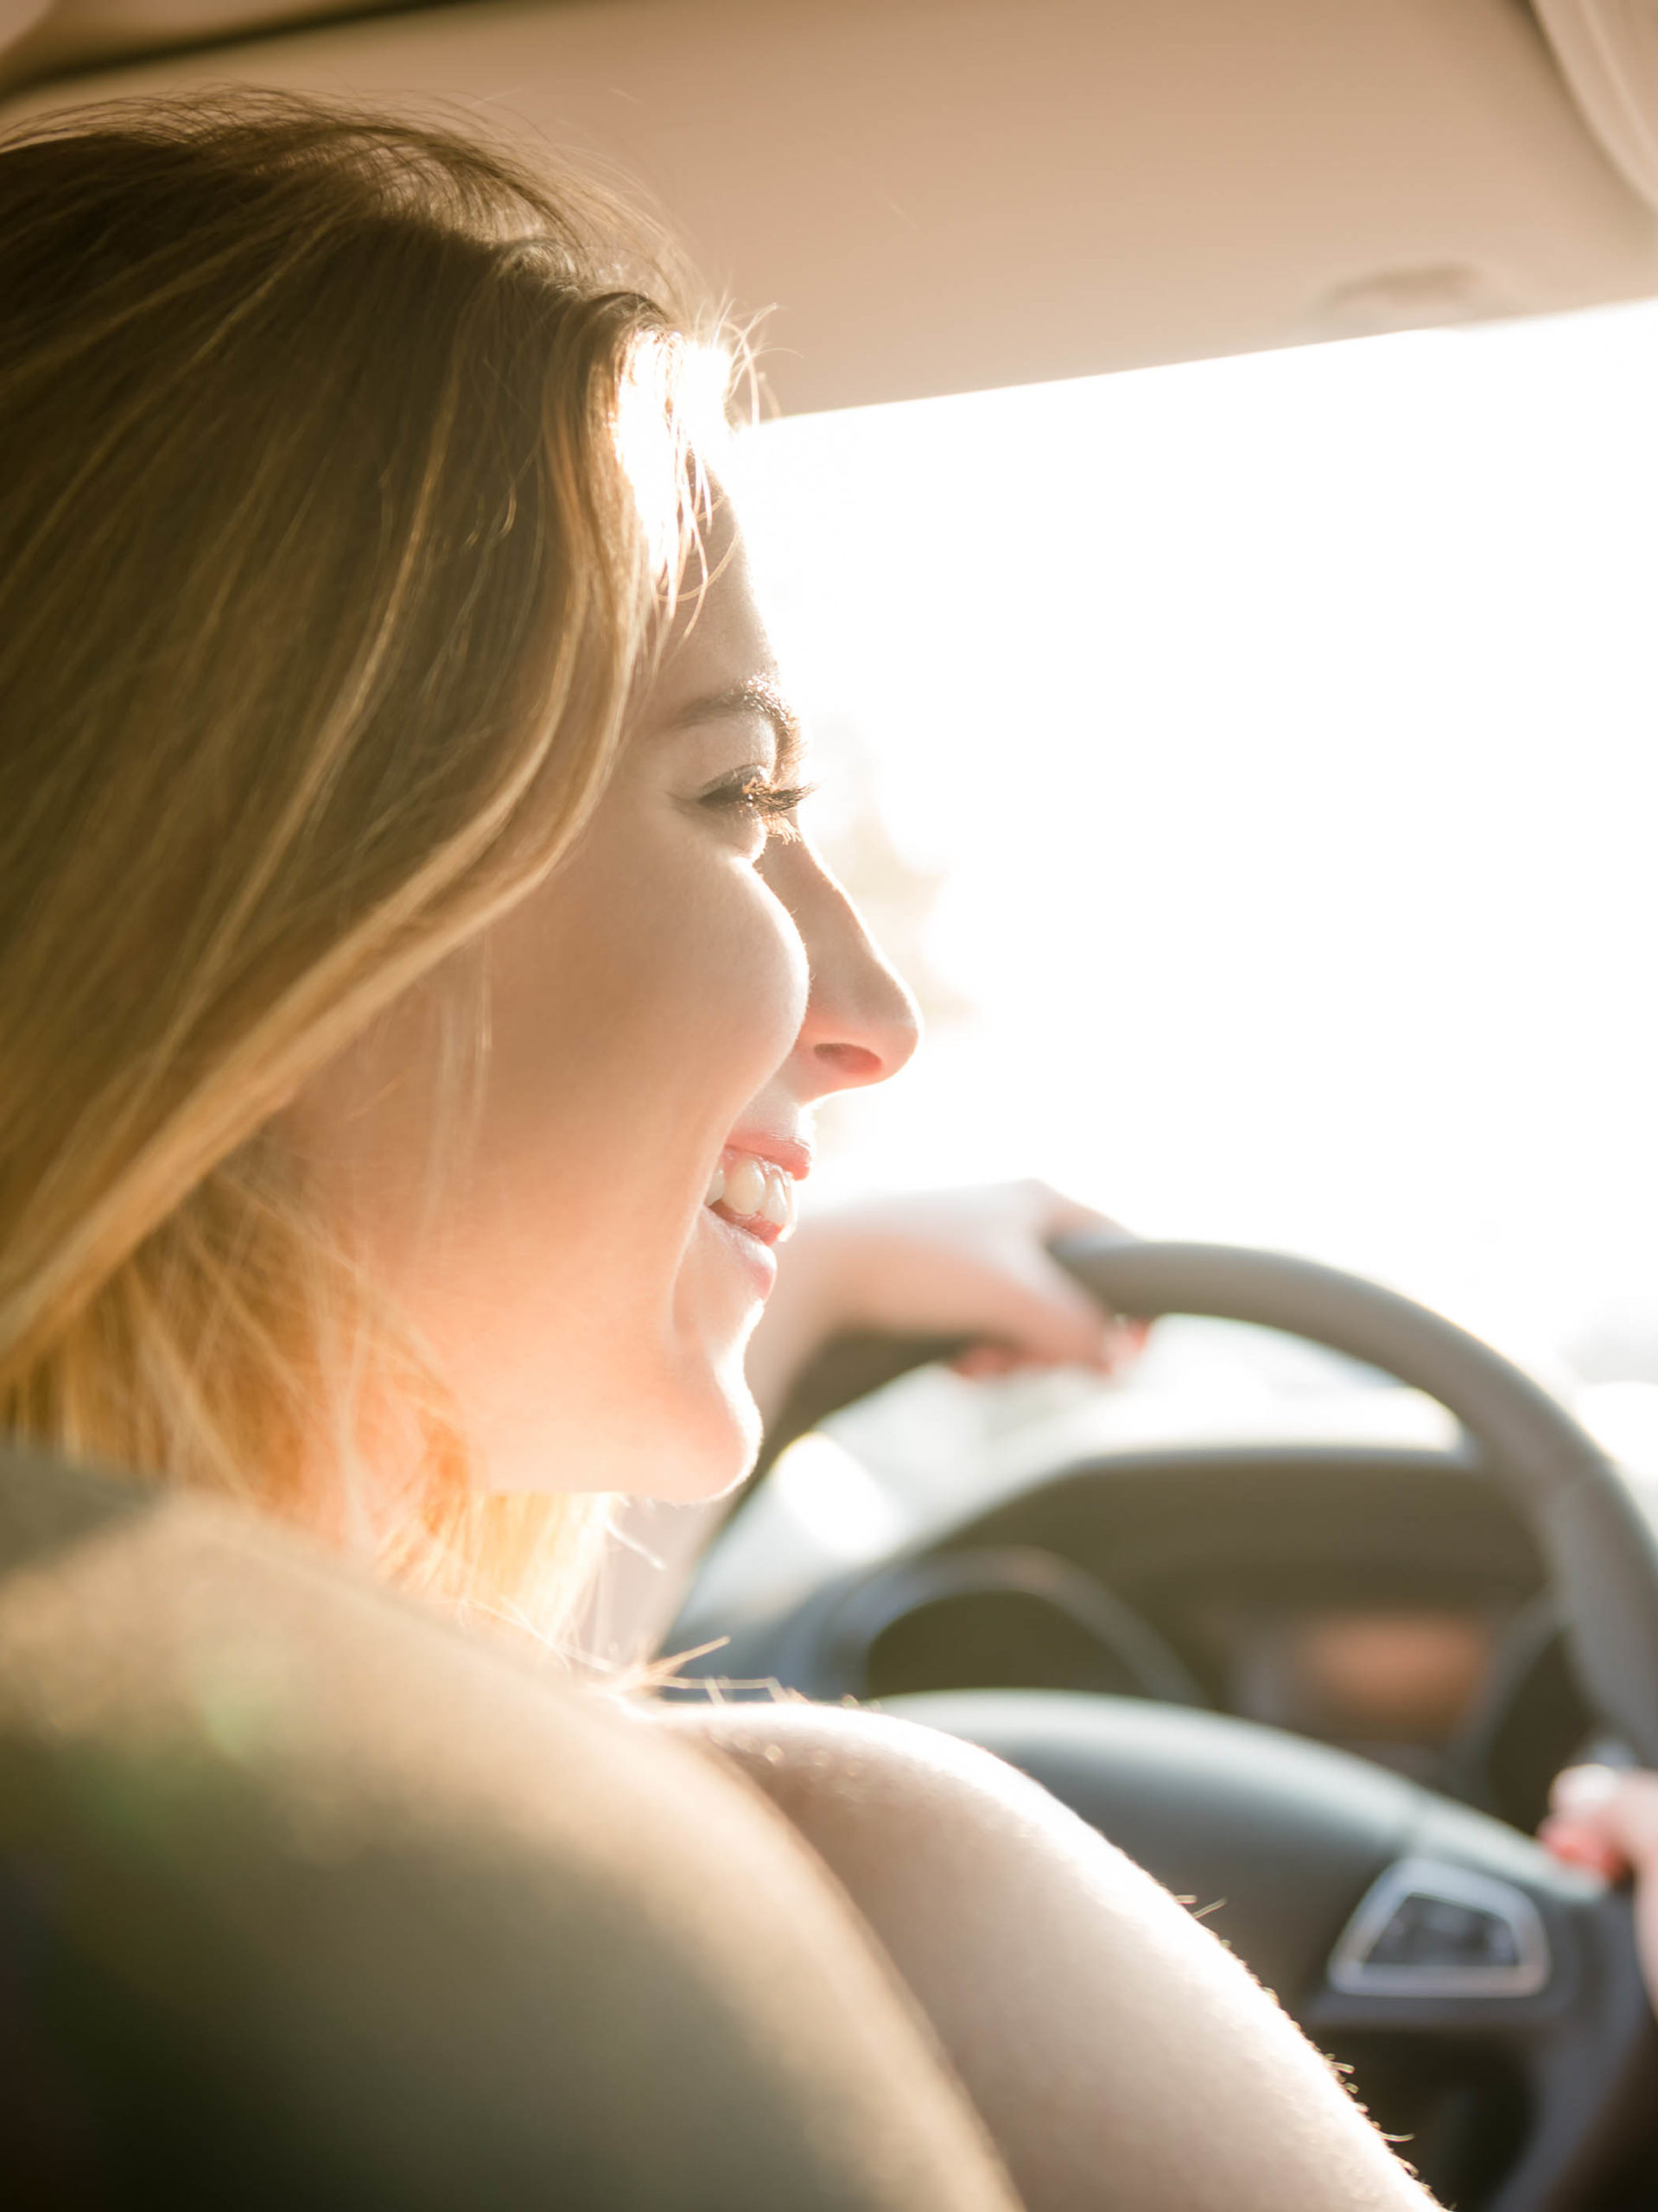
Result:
{"points": [[326, 572]]}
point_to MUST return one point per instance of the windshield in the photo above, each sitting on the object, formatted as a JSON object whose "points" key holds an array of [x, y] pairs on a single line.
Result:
{"points": [[1252, 764]]}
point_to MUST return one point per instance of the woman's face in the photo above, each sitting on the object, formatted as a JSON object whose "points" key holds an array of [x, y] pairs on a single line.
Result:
{"points": [[663, 1014]]}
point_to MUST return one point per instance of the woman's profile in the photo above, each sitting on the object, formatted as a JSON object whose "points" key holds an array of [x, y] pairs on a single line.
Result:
{"points": [[415, 983]]}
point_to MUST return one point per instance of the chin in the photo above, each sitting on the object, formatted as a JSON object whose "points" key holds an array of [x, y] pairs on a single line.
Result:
{"points": [[685, 1428], [659, 1408], [708, 1427], [709, 1442]]}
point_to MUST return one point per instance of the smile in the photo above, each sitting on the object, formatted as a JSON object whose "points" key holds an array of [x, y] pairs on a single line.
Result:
{"points": [[754, 1194]]}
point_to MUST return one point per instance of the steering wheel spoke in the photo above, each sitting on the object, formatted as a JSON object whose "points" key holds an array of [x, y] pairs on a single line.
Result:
{"points": [[1576, 2033]]}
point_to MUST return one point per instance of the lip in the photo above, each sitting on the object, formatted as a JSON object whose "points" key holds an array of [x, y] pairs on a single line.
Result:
{"points": [[792, 1155], [751, 1254], [750, 1243]]}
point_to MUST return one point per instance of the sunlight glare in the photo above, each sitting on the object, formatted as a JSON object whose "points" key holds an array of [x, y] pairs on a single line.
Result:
{"points": [[1279, 733]]}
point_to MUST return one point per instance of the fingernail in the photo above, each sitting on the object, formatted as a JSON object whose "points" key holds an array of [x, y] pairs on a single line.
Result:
{"points": [[1581, 1789]]}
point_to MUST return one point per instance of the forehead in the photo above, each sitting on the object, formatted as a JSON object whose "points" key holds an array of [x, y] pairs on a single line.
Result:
{"points": [[717, 647]]}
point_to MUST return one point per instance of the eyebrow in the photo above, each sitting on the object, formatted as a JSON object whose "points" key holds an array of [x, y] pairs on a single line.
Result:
{"points": [[755, 694]]}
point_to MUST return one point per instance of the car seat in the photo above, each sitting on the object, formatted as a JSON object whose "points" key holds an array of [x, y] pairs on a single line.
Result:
{"points": [[308, 1898]]}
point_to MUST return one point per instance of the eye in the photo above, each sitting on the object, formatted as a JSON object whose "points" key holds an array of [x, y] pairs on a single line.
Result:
{"points": [[753, 795]]}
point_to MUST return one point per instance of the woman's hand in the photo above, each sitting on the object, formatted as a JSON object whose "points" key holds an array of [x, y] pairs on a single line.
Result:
{"points": [[970, 1263], [1607, 1819]]}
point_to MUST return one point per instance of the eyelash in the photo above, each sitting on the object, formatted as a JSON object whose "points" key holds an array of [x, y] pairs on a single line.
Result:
{"points": [[754, 793]]}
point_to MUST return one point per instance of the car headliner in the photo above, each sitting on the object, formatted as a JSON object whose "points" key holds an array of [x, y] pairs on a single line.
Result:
{"points": [[940, 195]]}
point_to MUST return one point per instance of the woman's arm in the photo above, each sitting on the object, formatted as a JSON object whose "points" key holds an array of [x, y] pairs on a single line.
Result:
{"points": [[1119, 2054], [972, 1263]]}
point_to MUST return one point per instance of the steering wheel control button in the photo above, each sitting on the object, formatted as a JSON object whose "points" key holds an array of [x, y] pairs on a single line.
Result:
{"points": [[1433, 1932], [1426, 1928]]}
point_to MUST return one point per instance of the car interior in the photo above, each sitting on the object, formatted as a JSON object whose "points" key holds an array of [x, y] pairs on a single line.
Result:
{"points": [[1319, 1689]]}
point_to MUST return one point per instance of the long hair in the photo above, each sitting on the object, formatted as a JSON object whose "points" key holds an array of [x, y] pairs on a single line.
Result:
{"points": [[328, 565]]}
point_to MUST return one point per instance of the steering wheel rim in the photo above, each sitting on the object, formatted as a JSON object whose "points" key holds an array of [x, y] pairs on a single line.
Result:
{"points": [[1601, 1552]]}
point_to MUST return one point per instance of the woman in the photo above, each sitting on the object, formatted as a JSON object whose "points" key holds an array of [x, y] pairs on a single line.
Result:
{"points": [[414, 989]]}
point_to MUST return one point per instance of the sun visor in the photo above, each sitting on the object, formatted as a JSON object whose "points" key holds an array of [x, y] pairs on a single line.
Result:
{"points": [[936, 198], [1608, 53], [19, 16]]}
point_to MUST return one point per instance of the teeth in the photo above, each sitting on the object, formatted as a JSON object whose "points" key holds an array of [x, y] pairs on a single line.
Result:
{"points": [[746, 1182], [778, 1206], [753, 1190]]}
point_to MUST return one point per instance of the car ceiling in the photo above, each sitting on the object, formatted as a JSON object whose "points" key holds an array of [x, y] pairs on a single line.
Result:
{"points": [[940, 195]]}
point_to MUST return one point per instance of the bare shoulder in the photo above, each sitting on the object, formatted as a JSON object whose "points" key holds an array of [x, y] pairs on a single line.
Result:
{"points": [[1082, 2007], [860, 1784]]}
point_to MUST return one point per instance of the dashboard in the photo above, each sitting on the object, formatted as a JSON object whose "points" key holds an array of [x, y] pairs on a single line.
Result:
{"points": [[1388, 1601]]}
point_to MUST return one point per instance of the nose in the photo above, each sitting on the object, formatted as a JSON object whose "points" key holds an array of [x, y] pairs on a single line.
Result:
{"points": [[862, 1023]]}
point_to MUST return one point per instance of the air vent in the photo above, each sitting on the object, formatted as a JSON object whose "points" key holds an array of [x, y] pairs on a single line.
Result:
{"points": [[1608, 53]]}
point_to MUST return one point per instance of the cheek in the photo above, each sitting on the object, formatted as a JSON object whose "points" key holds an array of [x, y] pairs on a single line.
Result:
{"points": [[630, 1028], [558, 1271], [640, 1016]]}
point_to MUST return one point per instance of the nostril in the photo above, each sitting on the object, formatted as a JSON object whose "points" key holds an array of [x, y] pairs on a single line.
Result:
{"points": [[853, 1063]]}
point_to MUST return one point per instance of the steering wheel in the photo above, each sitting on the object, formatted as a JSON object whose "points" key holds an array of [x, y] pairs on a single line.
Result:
{"points": [[1371, 1905]]}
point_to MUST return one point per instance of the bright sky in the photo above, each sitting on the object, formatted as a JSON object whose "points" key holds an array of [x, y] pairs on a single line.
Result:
{"points": [[1285, 732]]}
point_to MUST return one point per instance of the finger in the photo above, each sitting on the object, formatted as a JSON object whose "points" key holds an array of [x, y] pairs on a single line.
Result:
{"points": [[1581, 1846], [1053, 1318], [978, 1361], [1122, 1344], [1584, 1789], [1059, 1216], [1616, 1807]]}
